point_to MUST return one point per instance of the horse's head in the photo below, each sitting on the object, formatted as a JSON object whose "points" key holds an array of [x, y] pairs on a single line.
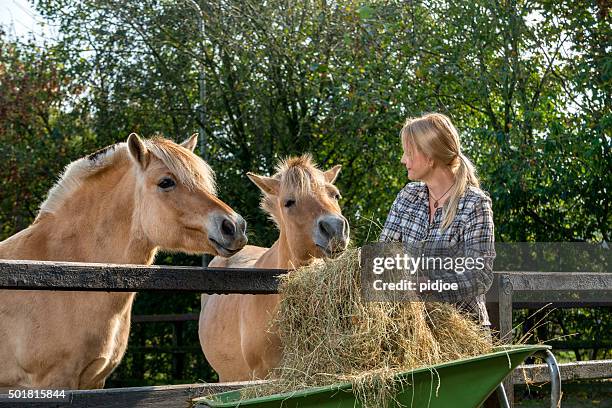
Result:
{"points": [[303, 201], [176, 202]]}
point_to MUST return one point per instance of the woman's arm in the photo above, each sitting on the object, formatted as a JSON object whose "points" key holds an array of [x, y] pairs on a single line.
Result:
{"points": [[479, 236]]}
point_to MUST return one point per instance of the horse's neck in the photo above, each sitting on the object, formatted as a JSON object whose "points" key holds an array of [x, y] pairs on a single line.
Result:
{"points": [[96, 223], [281, 256]]}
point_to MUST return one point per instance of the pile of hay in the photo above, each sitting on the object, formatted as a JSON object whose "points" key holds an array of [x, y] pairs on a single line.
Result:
{"points": [[330, 335]]}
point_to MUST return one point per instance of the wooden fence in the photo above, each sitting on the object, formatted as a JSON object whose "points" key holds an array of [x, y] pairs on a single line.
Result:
{"points": [[544, 288], [508, 287]]}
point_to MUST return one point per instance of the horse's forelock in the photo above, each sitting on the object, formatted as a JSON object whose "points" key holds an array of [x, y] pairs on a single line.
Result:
{"points": [[188, 168], [297, 175]]}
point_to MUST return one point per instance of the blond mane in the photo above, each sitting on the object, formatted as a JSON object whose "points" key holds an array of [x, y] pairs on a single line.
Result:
{"points": [[188, 168], [298, 175]]}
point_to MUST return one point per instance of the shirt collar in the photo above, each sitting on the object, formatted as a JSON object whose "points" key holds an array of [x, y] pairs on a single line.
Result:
{"points": [[421, 195]]}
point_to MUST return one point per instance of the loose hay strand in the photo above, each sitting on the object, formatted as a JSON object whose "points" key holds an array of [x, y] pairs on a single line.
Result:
{"points": [[330, 334]]}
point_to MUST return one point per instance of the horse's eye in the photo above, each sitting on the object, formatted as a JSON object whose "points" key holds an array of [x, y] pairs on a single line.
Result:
{"points": [[289, 203], [166, 183]]}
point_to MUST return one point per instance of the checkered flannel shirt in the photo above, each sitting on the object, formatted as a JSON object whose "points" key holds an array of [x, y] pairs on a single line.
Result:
{"points": [[472, 228]]}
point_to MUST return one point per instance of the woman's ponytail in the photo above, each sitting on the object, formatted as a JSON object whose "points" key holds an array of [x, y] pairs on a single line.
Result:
{"points": [[465, 176]]}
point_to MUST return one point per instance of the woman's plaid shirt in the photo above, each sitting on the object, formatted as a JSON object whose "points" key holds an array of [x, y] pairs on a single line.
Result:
{"points": [[471, 229]]}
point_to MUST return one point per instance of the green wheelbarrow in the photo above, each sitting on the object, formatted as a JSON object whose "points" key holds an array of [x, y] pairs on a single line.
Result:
{"points": [[464, 383]]}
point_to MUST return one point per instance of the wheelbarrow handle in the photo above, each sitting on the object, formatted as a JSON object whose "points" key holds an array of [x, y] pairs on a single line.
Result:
{"points": [[555, 384], [555, 380]]}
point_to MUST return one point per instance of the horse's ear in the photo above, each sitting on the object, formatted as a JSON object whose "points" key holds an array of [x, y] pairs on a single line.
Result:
{"points": [[268, 185], [332, 174], [138, 150], [191, 143]]}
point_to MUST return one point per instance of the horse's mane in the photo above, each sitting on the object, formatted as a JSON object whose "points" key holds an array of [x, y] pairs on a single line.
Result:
{"points": [[188, 168], [296, 174]]}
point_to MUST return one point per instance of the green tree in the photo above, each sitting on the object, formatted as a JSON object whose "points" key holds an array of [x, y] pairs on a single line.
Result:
{"points": [[37, 136]]}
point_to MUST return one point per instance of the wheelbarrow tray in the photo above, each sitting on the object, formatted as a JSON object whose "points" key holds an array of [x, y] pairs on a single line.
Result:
{"points": [[463, 383]]}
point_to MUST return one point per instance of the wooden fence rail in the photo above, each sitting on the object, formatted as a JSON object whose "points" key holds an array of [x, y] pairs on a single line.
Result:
{"points": [[587, 289], [43, 275]]}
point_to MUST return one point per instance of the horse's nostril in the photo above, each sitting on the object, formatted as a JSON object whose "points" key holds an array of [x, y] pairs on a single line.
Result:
{"points": [[228, 228], [326, 228]]}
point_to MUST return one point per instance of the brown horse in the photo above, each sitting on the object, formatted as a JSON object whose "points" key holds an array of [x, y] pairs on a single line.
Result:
{"points": [[234, 329], [118, 205]]}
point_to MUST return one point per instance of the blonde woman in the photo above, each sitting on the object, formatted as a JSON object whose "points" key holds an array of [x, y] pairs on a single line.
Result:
{"points": [[444, 205]]}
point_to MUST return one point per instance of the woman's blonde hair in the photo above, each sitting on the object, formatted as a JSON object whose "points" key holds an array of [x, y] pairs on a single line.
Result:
{"points": [[435, 136]]}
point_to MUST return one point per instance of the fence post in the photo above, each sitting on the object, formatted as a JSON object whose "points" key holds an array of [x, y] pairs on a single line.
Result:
{"points": [[505, 324]]}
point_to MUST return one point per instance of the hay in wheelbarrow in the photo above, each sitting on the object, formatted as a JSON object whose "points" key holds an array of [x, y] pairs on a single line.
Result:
{"points": [[330, 334]]}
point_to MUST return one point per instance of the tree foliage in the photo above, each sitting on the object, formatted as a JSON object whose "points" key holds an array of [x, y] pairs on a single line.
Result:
{"points": [[37, 136]]}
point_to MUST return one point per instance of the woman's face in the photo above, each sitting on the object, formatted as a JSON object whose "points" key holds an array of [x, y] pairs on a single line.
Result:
{"points": [[416, 162]]}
